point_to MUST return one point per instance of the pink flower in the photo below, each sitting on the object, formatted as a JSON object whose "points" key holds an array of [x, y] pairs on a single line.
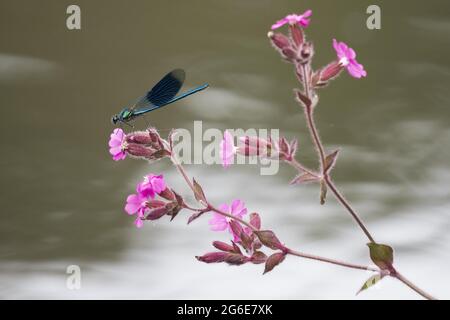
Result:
{"points": [[293, 19], [219, 222], [116, 144], [137, 204], [347, 57], [227, 149], [151, 185]]}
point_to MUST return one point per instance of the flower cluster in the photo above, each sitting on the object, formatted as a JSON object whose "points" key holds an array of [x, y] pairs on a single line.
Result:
{"points": [[295, 49], [144, 205], [250, 146], [140, 144], [246, 244]]}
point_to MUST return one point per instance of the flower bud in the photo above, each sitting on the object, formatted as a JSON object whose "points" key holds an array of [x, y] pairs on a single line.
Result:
{"points": [[223, 246], [154, 135], [258, 257], [255, 220], [152, 204], [274, 260], [157, 213], [139, 137], [139, 150], [279, 40], [230, 258], [236, 229], [167, 194], [236, 259], [306, 52], [146, 144], [212, 257], [269, 239], [254, 146], [296, 35], [289, 54], [328, 73]]}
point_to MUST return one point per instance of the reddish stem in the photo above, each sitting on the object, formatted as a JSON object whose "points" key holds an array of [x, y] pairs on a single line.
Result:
{"points": [[287, 250], [321, 153], [413, 286]]}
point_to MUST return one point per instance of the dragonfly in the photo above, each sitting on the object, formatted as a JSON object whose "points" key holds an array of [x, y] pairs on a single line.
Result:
{"points": [[162, 94]]}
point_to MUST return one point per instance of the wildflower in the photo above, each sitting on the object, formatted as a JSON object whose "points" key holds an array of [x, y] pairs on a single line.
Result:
{"points": [[152, 185], [227, 149], [293, 19], [219, 222], [347, 58], [137, 204], [117, 144]]}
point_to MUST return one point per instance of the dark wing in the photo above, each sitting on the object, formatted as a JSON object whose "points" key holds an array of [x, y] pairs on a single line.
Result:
{"points": [[163, 91]]}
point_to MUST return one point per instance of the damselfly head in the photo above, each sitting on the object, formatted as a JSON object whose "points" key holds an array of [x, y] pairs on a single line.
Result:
{"points": [[114, 119]]}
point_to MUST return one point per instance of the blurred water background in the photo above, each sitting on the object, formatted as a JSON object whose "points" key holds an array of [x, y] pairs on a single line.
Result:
{"points": [[62, 196]]}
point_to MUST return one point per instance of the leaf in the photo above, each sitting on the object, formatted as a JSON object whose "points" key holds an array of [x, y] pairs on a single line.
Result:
{"points": [[236, 248], [382, 255], [274, 260], [179, 199], [223, 246], [174, 209], [171, 136], [196, 216], [198, 192], [269, 239], [303, 99], [330, 161], [323, 191], [293, 147], [304, 178], [370, 282]]}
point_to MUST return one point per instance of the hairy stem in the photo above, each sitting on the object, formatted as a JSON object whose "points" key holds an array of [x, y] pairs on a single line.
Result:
{"points": [[321, 152], [300, 168], [424, 294], [332, 261], [287, 250], [345, 203], [338, 195]]}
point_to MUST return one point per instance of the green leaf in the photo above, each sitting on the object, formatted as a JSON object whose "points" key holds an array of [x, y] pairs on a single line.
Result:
{"points": [[370, 282], [382, 255]]}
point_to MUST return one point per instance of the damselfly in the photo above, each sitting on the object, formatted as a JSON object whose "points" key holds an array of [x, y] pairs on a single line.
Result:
{"points": [[162, 94]]}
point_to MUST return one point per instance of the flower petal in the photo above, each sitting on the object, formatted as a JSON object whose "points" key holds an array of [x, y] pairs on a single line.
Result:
{"points": [[279, 23]]}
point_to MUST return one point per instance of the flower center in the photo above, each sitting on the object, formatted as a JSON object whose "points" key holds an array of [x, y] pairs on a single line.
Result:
{"points": [[293, 18], [344, 61]]}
